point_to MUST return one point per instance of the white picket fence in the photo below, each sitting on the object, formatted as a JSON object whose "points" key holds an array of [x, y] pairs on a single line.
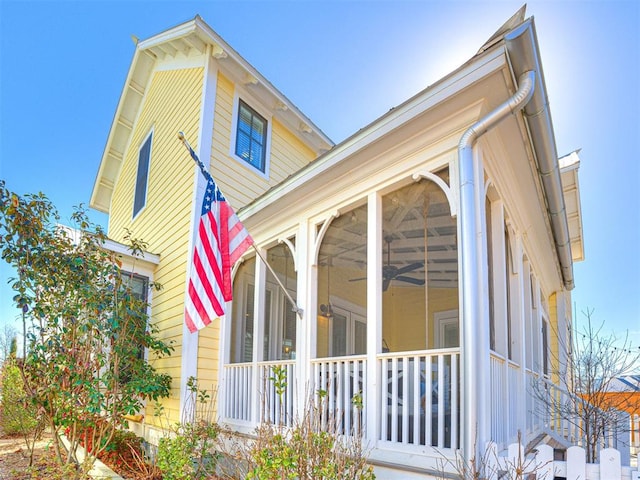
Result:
{"points": [[541, 465]]}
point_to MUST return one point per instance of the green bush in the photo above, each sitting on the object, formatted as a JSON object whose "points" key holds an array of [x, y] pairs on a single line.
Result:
{"points": [[19, 415], [188, 454]]}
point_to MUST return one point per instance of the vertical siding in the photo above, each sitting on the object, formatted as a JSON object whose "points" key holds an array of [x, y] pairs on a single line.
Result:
{"points": [[172, 103]]}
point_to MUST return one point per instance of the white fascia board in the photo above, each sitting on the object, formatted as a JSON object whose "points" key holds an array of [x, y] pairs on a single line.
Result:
{"points": [[569, 162], [121, 249], [420, 103]]}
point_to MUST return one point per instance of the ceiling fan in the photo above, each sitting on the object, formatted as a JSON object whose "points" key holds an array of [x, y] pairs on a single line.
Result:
{"points": [[391, 272]]}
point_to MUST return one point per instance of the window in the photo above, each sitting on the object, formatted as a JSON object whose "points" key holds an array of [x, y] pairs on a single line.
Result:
{"points": [[144, 157], [135, 295], [251, 137]]}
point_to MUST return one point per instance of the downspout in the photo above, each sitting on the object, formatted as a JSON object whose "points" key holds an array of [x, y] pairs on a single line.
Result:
{"points": [[522, 47], [474, 335]]}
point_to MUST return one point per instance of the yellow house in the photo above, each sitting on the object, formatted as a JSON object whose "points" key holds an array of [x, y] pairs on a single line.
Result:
{"points": [[430, 254]]}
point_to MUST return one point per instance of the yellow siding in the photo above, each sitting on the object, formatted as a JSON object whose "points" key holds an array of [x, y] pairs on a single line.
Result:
{"points": [[208, 359], [405, 327], [173, 99], [288, 153]]}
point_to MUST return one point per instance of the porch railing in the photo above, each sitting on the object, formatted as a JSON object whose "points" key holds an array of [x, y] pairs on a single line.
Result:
{"points": [[420, 398], [238, 391], [338, 386], [276, 391], [278, 382], [499, 399]]}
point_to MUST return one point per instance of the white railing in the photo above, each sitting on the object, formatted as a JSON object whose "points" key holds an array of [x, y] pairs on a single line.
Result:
{"points": [[338, 385], [535, 404], [499, 401], [542, 465], [238, 391], [277, 399], [515, 398], [420, 398]]}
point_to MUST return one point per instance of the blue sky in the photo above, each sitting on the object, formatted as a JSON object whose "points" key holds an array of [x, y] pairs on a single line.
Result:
{"points": [[63, 66]]}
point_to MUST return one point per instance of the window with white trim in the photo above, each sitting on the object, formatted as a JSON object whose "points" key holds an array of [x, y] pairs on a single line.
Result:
{"points": [[142, 176], [251, 137]]}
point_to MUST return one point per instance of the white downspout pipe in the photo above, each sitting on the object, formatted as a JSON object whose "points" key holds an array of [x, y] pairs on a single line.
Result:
{"points": [[475, 338]]}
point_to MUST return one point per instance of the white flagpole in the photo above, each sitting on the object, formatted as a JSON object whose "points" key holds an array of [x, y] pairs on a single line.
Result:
{"points": [[294, 305]]}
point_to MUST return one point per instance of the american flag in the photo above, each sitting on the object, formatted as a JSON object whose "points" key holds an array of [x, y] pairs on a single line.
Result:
{"points": [[220, 240]]}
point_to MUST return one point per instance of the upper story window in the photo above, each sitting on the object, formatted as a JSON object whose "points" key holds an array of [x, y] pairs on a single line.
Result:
{"points": [[251, 137], [144, 157]]}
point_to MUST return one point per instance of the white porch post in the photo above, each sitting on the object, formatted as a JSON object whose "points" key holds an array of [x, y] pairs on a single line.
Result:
{"points": [[521, 357], [304, 325], [258, 335], [374, 316]]}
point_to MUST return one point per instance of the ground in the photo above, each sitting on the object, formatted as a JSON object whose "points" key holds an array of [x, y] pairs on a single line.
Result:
{"points": [[14, 458]]}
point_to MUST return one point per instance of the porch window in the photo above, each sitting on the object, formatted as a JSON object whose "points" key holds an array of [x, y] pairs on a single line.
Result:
{"points": [[342, 286], [419, 268]]}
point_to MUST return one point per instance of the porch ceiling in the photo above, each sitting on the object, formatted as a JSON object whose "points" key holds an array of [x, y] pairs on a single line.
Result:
{"points": [[404, 244]]}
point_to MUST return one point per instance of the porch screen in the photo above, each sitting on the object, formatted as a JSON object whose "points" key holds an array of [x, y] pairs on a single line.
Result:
{"points": [[342, 286], [280, 319], [419, 269], [241, 348]]}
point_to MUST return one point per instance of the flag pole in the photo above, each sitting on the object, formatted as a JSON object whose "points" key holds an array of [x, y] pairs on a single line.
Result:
{"points": [[294, 305], [205, 172]]}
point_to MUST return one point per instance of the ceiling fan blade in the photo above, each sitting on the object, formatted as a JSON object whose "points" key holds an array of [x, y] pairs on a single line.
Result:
{"points": [[385, 284], [415, 281], [409, 268], [357, 279]]}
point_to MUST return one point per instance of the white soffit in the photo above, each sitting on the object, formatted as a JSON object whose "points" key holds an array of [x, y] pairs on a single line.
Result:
{"points": [[569, 165]]}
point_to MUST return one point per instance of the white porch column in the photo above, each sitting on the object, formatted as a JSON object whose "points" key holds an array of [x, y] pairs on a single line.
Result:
{"points": [[374, 317], [304, 325], [258, 335], [521, 354]]}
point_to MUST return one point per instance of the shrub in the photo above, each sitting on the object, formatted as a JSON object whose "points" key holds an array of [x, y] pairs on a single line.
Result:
{"points": [[19, 415], [188, 452], [309, 450]]}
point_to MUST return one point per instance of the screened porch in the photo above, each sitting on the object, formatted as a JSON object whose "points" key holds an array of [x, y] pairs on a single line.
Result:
{"points": [[378, 348]]}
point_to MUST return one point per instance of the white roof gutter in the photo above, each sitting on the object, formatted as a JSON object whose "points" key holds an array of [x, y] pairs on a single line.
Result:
{"points": [[522, 47]]}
